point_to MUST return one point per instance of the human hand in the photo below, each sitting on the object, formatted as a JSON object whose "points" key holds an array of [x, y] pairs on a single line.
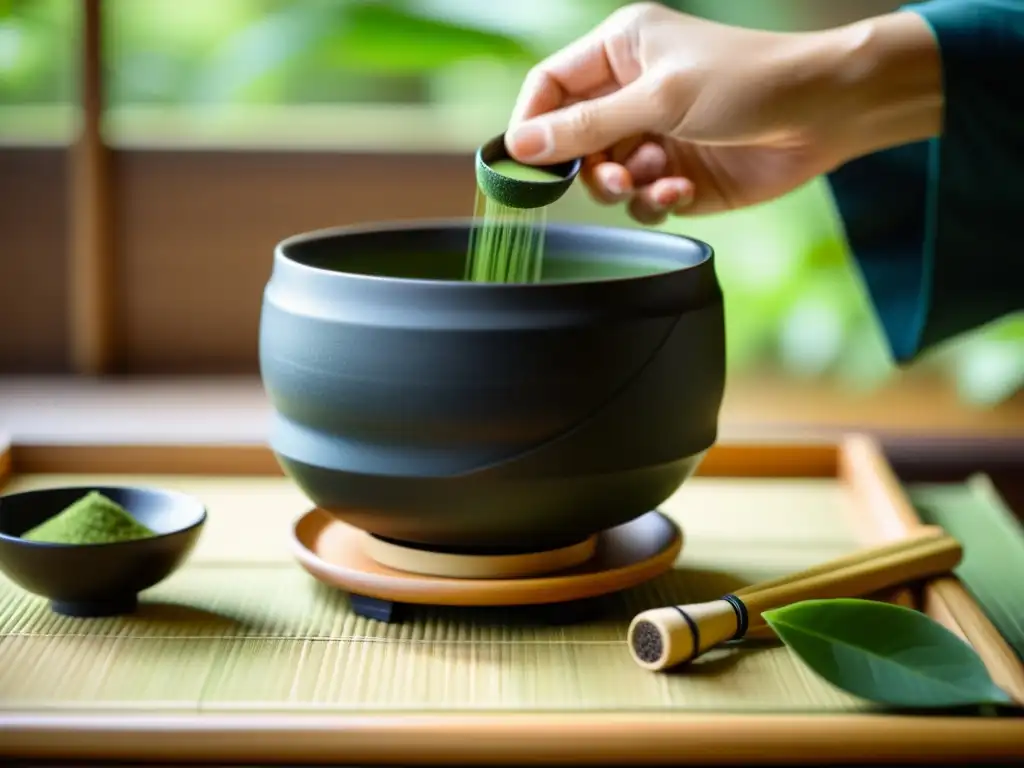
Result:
{"points": [[674, 114]]}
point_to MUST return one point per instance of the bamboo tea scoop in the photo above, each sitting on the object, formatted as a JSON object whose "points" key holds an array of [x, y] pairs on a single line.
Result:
{"points": [[665, 637]]}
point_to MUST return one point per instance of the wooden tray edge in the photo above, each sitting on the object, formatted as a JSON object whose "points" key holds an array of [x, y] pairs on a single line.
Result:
{"points": [[635, 738], [205, 459], [784, 459], [874, 482]]}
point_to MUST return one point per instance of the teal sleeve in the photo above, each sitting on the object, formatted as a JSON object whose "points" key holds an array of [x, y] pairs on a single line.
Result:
{"points": [[936, 228]]}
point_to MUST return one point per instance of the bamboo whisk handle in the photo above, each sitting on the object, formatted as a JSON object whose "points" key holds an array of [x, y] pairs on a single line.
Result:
{"points": [[664, 637]]}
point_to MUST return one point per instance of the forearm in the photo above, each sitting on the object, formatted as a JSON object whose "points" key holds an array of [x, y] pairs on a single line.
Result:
{"points": [[930, 202], [884, 78]]}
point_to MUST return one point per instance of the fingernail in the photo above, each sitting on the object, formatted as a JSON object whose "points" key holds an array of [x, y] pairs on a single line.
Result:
{"points": [[684, 202], [673, 195], [612, 181], [666, 197], [530, 141], [685, 198], [659, 204]]}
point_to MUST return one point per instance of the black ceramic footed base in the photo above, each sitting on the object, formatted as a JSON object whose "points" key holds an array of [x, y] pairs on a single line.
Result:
{"points": [[94, 609], [573, 612]]}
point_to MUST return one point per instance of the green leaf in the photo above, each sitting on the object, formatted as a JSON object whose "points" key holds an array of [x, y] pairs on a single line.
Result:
{"points": [[355, 36], [381, 38], [262, 48], [885, 653]]}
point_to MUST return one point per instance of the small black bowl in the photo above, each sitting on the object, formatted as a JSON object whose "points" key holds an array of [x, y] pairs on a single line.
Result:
{"points": [[90, 580]]}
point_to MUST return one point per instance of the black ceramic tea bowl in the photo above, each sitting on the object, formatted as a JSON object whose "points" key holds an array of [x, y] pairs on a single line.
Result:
{"points": [[90, 580], [491, 417]]}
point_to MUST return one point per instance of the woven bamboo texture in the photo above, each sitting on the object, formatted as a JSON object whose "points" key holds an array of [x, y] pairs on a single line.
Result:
{"points": [[242, 627]]}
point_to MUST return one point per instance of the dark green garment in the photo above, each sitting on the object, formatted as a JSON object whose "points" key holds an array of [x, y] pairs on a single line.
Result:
{"points": [[937, 228]]}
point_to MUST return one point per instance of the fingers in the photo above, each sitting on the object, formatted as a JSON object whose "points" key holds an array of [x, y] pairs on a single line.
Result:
{"points": [[577, 70], [585, 127], [654, 203], [640, 171], [608, 182], [647, 163], [607, 179]]}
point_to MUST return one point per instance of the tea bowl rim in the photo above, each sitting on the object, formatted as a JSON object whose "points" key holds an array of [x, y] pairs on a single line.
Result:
{"points": [[465, 223]]}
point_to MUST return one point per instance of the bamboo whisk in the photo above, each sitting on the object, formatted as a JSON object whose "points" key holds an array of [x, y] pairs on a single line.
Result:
{"points": [[665, 637]]}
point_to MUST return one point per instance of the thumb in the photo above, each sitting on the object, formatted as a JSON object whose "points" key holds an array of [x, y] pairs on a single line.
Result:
{"points": [[588, 126]]}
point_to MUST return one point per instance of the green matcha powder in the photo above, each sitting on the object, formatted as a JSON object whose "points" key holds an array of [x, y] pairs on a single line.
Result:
{"points": [[93, 519], [507, 245]]}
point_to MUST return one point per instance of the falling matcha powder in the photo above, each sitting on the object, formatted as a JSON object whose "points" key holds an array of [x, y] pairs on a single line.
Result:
{"points": [[93, 519], [506, 245]]}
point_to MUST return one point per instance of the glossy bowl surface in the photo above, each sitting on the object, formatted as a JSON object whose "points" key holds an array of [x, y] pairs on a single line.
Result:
{"points": [[490, 417], [97, 579]]}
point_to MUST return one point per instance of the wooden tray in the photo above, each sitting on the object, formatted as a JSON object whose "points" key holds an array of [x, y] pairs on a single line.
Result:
{"points": [[241, 657], [977, 494]]}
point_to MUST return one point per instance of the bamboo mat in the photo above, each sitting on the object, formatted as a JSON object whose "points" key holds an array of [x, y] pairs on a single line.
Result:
{"points": [[242, 627]]}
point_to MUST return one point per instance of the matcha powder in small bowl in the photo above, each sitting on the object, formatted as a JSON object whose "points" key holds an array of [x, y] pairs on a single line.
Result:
{"points": [[93, 519]]}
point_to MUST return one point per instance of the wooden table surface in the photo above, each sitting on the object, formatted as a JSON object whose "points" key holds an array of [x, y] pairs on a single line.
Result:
{"points": [[234, 409]]}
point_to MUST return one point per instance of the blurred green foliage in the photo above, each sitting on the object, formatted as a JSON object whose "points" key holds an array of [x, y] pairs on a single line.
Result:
{"points": [[793, 301], [36, 50]]}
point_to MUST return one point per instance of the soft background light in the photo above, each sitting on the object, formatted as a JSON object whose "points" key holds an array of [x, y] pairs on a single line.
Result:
{"points": [[441, 75]]}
